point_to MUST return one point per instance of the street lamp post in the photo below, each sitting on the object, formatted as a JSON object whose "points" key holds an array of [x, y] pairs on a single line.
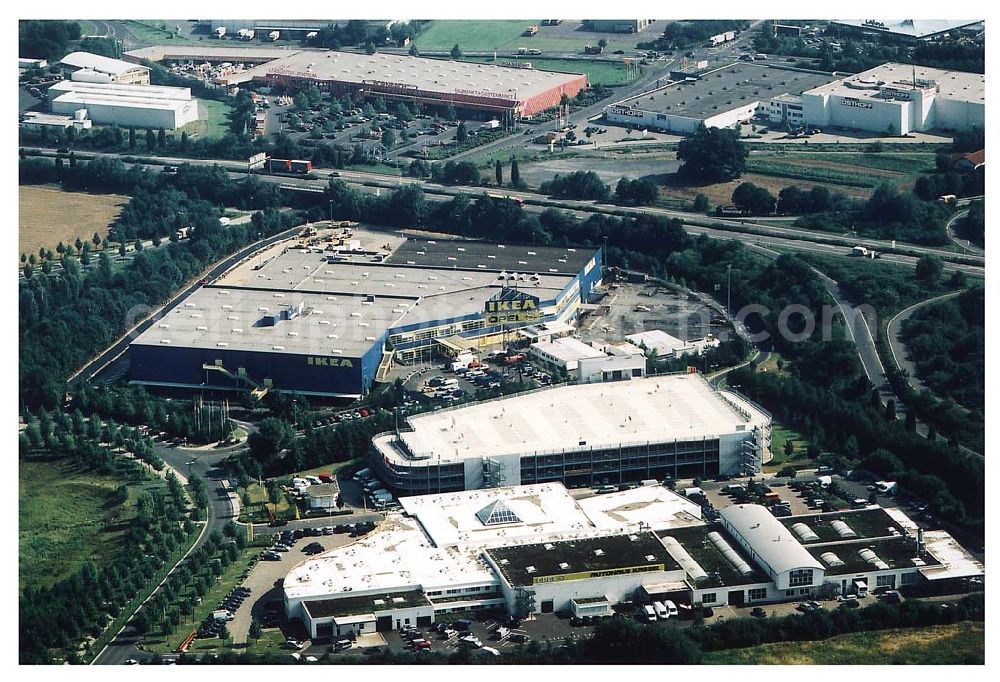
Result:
{"points": [[729, 289]]}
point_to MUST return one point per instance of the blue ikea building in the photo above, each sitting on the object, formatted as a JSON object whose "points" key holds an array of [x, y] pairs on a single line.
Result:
{"points": [[304, 321]]}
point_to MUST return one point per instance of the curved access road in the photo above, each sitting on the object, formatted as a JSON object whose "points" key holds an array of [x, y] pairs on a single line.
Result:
{"points": [[190, 463], [894, 330], [961, 243]]}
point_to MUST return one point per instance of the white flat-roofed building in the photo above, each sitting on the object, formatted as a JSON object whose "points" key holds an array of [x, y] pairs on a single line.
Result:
{"points": [[536, 549], [720, 98], [429, 559], [140, 106], [898, 99], [617, 362], [580, 434], [666, 346], [39, 119], [98, 68], [563, 354]]}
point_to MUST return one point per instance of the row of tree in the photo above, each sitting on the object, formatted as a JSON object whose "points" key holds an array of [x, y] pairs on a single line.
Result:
{"points": [[183, 590], [625, 641], [54, 621], [64, 320]]}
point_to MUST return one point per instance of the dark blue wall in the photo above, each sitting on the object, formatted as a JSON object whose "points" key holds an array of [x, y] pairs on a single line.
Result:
{"points": [[289, 372]]}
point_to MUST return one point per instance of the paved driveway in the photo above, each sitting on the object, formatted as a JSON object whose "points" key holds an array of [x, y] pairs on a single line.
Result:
{"points": [[262, 579]]}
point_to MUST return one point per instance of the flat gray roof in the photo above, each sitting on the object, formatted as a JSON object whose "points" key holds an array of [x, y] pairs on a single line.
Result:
{"points": [[914, 28], [431, 75], [727, 88], [230, 53], [544, 260], [224, 317]]}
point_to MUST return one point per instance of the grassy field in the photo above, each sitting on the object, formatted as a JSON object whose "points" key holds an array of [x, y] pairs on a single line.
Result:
{"points": [[258, 497], [597, 72], [48, 215], [67, 518], [958, 644], [471, 35], [214, 124], [506, 36], [156, 31], [780, 434]]}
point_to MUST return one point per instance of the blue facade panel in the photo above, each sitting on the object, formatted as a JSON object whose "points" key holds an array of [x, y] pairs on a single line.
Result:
{"points": [[288, 372]]}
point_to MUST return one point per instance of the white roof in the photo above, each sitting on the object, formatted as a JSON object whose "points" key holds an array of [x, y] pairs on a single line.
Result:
{"points": [[956, 561], [438, 542], [96, 62], [567, 349], [124, 91], [650, 504], [914, 28], [953, 85], [658, 340], [773, 545], [454, 518], [572, 417]]}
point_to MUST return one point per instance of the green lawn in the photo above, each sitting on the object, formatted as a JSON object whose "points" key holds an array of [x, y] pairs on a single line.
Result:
{"points": [[258, 497], [862, 170], [599, 72], [506, 36], [269, 643], [67, 518], [217, 117], [780, 434], [958, 644], [215, 123], [472, 35], [156, 31]]}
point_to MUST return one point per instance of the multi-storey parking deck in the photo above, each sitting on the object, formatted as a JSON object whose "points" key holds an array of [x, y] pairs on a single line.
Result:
{"points": [[655, 427]]}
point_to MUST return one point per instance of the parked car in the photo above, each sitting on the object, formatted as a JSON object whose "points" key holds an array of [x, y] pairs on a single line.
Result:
{"points": [[758, 612]]}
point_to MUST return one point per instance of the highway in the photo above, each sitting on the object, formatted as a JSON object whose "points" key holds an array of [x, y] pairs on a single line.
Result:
{"points": [[797, 239]]}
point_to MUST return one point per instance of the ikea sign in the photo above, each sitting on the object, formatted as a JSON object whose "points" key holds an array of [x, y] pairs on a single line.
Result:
{"points": [[511, 306], [321, 361]]}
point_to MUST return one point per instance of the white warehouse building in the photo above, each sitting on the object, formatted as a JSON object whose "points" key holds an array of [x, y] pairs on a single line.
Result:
{"points": [[95, 68], [138, 106], [899, 99]]}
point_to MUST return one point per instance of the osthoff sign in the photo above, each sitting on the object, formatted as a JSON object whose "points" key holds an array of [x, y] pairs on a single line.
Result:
{"points": [[512, 307]]}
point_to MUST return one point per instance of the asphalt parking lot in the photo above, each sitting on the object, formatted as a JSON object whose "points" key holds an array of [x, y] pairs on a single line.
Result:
{"points": [[263, 581]]}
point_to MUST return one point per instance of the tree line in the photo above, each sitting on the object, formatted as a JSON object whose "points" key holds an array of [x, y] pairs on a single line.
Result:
{"points": [[66, 318], [53, 621], [625, 641]]}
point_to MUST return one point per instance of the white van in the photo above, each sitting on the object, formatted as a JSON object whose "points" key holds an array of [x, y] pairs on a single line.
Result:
{"points": [[650, 613], [661, 610], [671, 609]]}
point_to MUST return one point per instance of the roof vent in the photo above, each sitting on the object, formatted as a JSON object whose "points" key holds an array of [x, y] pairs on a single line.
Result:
{"points": [[530, 569], [563, 565]]}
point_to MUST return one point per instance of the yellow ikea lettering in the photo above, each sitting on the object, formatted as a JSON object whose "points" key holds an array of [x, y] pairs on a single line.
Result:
{"points": [[329, 362]]}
